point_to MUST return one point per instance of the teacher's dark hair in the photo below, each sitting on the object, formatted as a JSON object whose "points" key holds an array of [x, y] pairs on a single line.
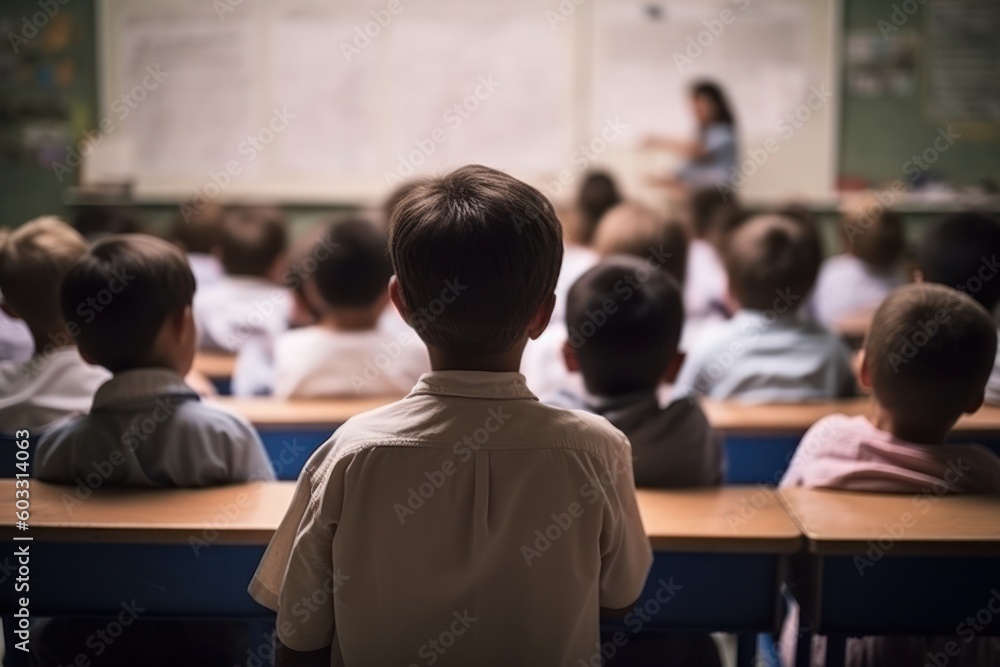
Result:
{"points": [[712, 90]]}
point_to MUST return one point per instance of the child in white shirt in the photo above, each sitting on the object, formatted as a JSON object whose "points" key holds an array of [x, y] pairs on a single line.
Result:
{"points": [[55, 382], [350, 351], [854, 283], [436, 513], [250, 302]]}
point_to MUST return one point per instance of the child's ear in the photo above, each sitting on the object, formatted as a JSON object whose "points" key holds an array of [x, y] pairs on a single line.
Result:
{"points": [[864, 374], [918, 276], [541, 317], [184, 323], [6, 307], [673, 368], [569, 358], [396, 297], [976, 402]]}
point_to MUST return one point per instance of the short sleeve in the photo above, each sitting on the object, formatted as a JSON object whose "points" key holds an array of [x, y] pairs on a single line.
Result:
{"points": [[626, 555], [297, 570], [248, 460], [718, 138]]}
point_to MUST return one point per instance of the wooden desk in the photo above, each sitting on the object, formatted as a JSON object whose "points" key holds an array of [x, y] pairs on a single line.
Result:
{"points": [[217, 367], [728, 549], [177, 552], [245, 514], [187, 552], [894, 564]]}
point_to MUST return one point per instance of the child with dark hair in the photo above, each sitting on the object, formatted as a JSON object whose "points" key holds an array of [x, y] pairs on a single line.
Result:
{"points": [[766, 352], [197, 230], [146, 428], [476, 254], [712, 216], [854, 283], [927, 357], [249, 302], [144, 334], [348, 351], [625, 324], [961, 251]]}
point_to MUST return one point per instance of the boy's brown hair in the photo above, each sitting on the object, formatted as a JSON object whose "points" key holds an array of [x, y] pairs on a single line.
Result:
{"points": [[33, 260], [121, 292], [769, 256], [252, 240], [197, 228], [930, 352], [874, 234], [598, 195], [476, 253], [633, 229]]}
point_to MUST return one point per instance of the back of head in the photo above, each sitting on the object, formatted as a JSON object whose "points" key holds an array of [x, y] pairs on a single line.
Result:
{"points": [[96, 222], [597, 195], [930, 351], [772, 257], [958, 251], [355, 269], [874, 234], [33, 260], [706, 207], [121, 293], [197, 229], [633, 229], [476, 253], [624, 323], [252, 240]]}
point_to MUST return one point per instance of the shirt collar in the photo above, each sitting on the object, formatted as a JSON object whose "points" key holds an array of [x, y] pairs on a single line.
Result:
{"points": [[473, 384], [141, 384], [767, 319]]}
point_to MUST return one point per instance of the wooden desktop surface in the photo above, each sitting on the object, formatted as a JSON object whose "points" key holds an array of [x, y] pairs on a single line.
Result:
{"points": [[845, 523], [214, 365], [683, 520]]}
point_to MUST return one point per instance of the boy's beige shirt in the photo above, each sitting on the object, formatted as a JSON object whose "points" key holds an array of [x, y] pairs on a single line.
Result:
{"points": [[467, 524]]}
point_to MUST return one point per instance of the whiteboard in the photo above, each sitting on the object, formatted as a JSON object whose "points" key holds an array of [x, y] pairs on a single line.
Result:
{"points": [[306, 100]]}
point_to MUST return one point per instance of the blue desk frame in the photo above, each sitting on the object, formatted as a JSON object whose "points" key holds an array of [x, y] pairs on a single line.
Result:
{"points": [[898, 595]]}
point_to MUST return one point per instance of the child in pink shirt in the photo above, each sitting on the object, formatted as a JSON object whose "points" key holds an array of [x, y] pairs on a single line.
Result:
{"points": [[927, 358]]}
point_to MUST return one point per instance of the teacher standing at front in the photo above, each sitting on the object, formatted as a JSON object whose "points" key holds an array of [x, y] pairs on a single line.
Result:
{"points": [[710, 159]]}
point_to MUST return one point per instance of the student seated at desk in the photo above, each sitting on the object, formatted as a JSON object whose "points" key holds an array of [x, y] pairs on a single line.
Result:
{"points": [[348, 352], [623, 360], [857, 281], [927, 357], [466, 555], [148, 428], [766, 353], [960, 251], [248, 303], [627, 229], [55, 383], [145, 419], [712, 216], [196, 230]]}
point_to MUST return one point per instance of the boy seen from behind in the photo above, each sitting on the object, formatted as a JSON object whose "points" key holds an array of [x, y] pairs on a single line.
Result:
{"points": [[476, 254]]}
